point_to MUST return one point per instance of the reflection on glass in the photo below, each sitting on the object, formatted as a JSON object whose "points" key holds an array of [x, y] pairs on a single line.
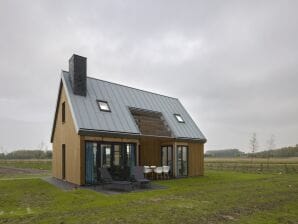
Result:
{"points": [[94, 149], [117, 157], [166, 157], [105, 155], [116, 161], [182, 160]]}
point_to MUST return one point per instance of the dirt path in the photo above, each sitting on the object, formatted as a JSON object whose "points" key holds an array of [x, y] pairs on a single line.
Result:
{"points": [[13, 170]]}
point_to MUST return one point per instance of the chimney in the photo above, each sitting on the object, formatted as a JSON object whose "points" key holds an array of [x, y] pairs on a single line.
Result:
{"points": [[78, 74]]}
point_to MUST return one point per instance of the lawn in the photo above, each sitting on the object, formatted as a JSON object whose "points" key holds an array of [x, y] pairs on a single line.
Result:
{"points": [[257, 165], [218, 197], [42, 164], [11, 169]]}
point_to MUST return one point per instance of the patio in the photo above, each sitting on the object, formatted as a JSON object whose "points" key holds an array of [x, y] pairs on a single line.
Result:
{"points": [[67, 186]]}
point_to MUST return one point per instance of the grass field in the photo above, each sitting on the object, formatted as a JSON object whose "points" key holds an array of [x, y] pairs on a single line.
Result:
{"points": [[33, 164], [257, 165], [11, 169], [218, 197]]}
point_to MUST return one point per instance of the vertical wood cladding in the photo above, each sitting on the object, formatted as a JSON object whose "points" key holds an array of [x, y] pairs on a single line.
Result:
{"points": [[65, 134], [196, 159]]}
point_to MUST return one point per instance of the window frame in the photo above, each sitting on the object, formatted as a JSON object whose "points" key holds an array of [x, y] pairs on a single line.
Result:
{"points": [[124, 158], [103, 101], [185, 169], [179, 115], [63, 161], [63, 114]]}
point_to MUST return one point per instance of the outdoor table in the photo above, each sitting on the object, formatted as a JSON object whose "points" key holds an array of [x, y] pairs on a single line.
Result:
{"points": [[152, 171]]}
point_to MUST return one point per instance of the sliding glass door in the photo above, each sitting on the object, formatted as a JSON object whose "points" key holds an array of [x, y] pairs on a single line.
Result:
{"points": [[118, 158], [91, 162], [167, 157], [182, 160], [105, 155]]}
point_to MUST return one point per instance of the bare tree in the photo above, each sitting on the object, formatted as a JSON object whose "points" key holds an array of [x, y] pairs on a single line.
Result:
{"points": [[270, 145], [253, 142]]}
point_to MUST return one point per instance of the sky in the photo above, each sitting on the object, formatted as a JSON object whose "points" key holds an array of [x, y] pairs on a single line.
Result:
{"points": [[232, 64]]}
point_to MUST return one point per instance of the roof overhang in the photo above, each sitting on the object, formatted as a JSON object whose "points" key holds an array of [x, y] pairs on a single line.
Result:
{"points": [[103, 133], [56, 111]]}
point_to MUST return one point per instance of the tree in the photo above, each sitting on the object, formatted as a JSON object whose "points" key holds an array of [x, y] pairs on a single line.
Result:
{"points": [[253, 142], [271, 146], [2, 155]]}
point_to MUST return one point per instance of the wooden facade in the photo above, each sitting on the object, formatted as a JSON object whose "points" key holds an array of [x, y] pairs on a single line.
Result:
{"points": [[148, 149], [65, 133]]}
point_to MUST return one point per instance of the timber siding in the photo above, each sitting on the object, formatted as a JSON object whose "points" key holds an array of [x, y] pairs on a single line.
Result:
{"points": [[195, 159], [65, 134]]}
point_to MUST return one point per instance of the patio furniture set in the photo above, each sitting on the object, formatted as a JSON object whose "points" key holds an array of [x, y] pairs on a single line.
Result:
{"points": [[157, 172], [137, 180], [137, 177]]}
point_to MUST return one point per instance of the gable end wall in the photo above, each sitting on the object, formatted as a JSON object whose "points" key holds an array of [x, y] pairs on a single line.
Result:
{"points": [[65, 133]]}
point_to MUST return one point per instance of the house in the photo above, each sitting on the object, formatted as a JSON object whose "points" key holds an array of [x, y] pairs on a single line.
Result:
{"points": [[102, 124]]}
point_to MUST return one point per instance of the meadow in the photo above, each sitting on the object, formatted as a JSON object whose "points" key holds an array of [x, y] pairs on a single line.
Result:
{"points": [[221, 196], [253, 165]]}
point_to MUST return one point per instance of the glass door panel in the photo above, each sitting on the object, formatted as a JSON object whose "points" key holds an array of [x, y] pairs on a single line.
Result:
{"points": [[164, 156], [167, 157], [91, 163], [182, 160], [105, 150], [118, 158], [117, 155]]}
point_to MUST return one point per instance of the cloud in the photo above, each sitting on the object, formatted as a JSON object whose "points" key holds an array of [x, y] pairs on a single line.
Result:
{"points": [[232, 64]]}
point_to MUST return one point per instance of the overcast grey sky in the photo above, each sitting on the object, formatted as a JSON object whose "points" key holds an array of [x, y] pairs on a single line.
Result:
{"points": [[232, 64]]}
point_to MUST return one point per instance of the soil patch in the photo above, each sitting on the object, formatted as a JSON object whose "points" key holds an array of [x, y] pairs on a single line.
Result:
{"points": [[12, 170]]}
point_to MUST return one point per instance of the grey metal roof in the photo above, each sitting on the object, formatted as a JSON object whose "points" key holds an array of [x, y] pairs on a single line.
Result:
{"points": [[87, 116]]}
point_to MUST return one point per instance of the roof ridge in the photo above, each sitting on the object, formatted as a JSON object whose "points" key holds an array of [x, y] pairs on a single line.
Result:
{"points": [[129, 87]]}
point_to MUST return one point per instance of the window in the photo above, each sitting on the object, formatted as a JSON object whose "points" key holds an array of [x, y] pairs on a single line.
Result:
{"points": [[182, 160], [179, 118], [117, 157], [167, 157], [103, 106], [105, 155], [63, 161], [63, 112]]}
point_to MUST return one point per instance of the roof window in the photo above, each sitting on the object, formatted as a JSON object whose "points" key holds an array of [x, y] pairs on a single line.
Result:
{"points": [[103, 106], [179, 118]]}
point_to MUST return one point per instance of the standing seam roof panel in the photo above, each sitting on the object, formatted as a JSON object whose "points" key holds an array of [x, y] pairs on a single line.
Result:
{"points": [[120, 98], [95, 107]]}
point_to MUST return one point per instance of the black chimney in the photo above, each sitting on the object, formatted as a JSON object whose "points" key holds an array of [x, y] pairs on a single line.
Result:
{"points": [[78, 74]]}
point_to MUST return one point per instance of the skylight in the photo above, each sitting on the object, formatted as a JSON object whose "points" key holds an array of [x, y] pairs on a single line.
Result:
{"points": [[103, 106], [179, 118]]}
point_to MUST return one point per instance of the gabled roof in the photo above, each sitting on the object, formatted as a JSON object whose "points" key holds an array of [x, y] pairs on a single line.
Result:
{"points": [[89, 119]]}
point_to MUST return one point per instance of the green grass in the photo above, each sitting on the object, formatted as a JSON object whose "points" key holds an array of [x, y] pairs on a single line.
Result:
{"points": [[260, 165], [32, 164], [218, 197], [245, 196]]}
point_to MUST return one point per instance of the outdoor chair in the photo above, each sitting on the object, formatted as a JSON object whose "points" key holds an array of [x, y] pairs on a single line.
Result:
{"points": [[138, 176], [152, 171], [158, 172], [106, 179], [147, 171], [165, 171]]}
